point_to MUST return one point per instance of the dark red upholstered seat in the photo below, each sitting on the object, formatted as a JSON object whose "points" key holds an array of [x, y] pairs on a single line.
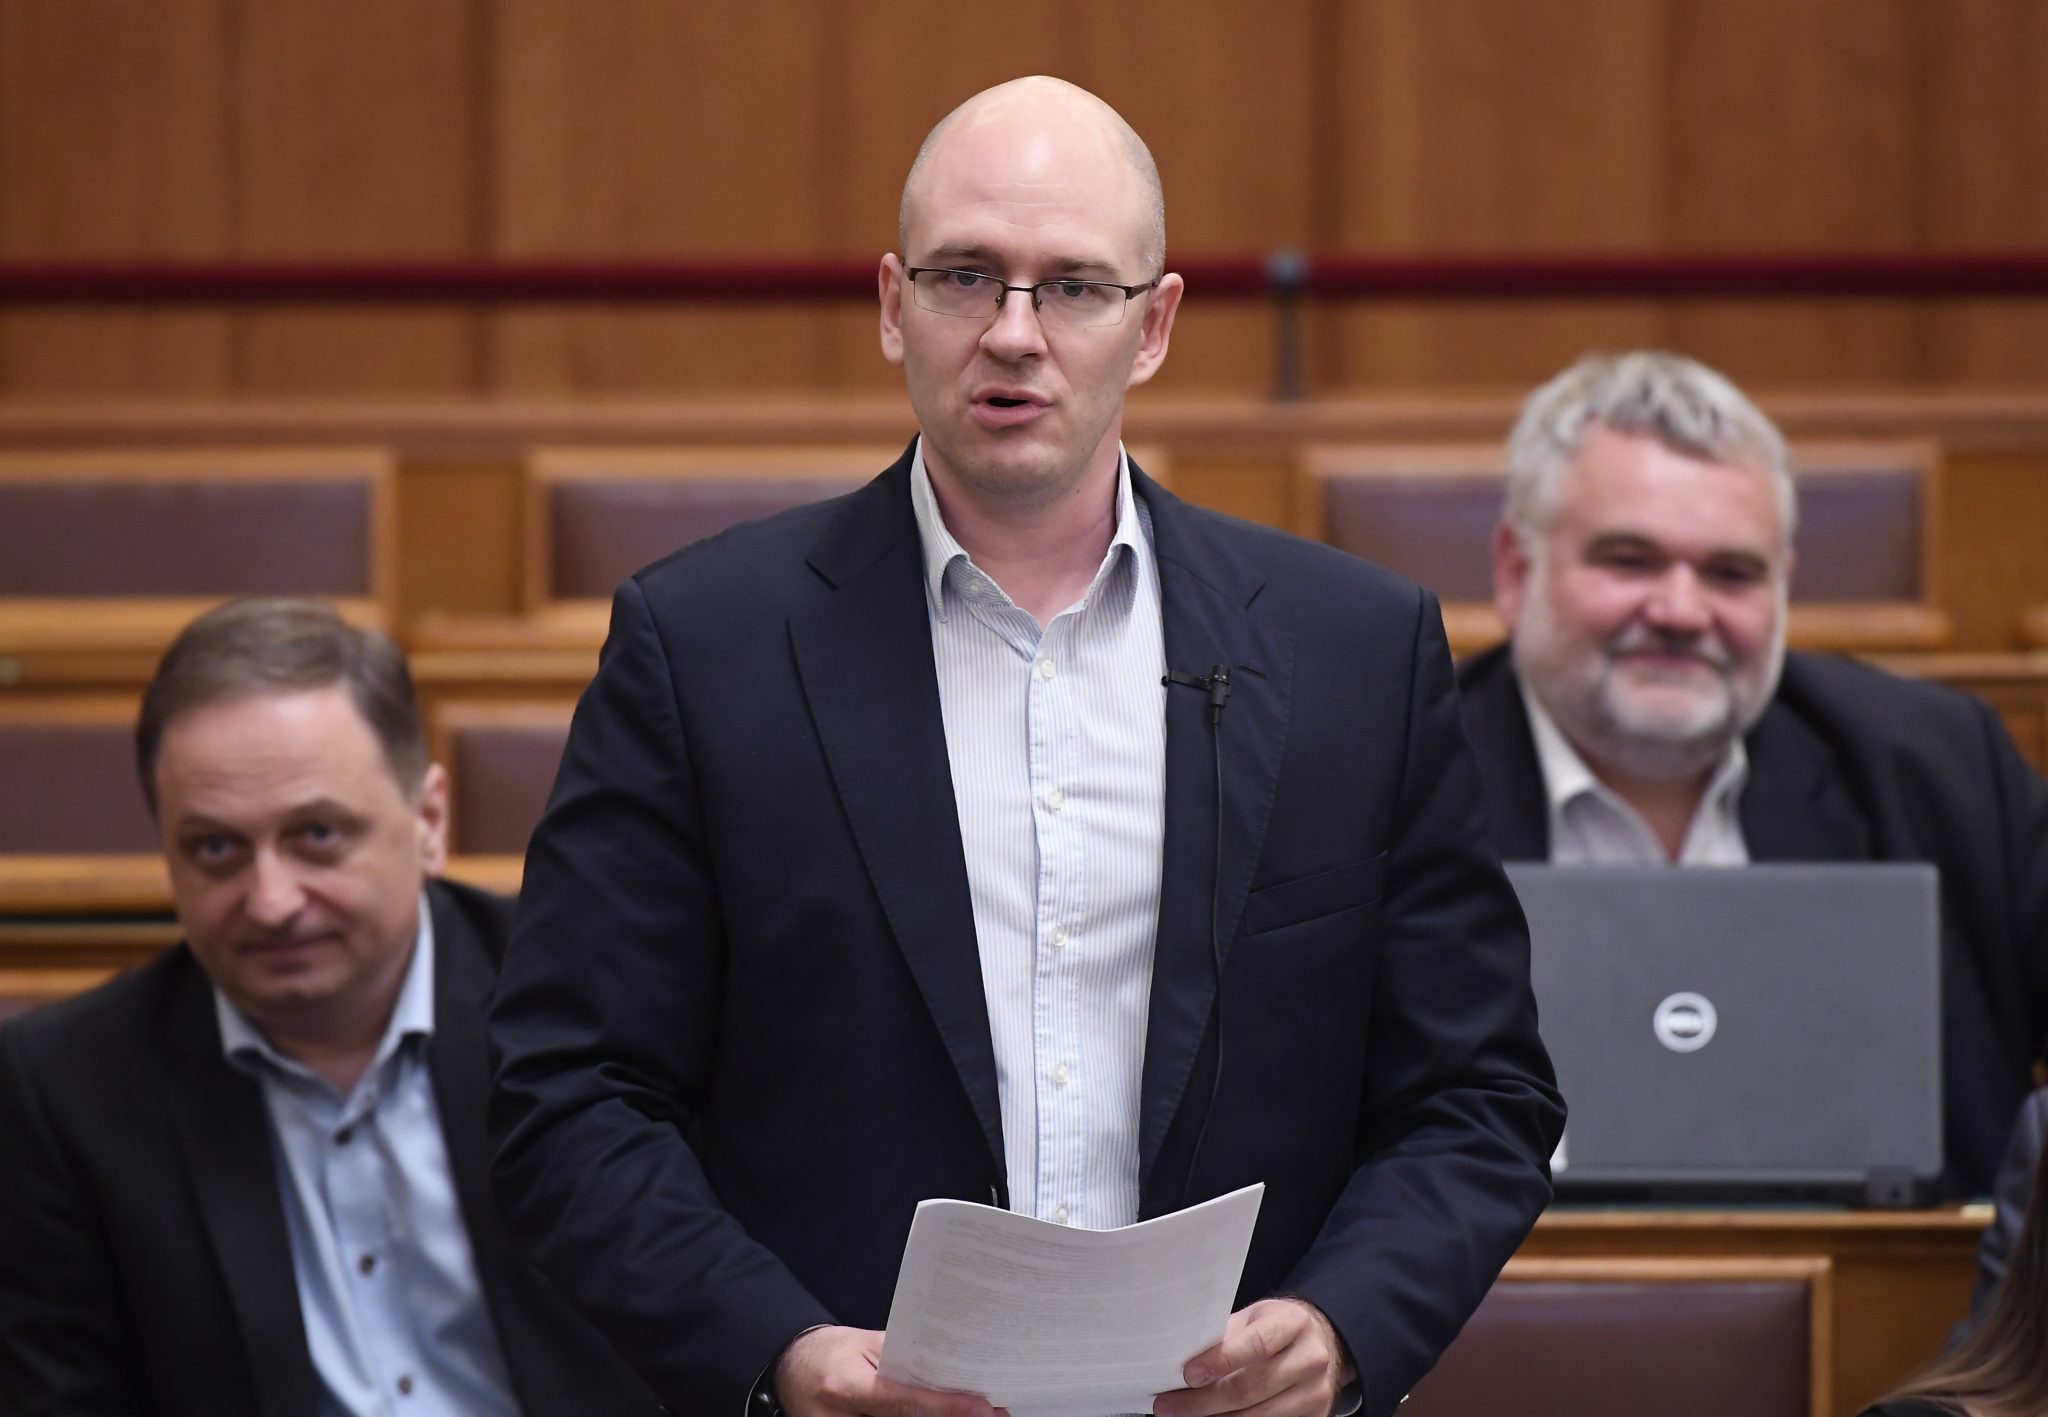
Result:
{"points": [[1622, 1348], [605, 531], [128, 538], [501, 759], [70, 785], [597, 515], [1865, 575], [194, 525]]}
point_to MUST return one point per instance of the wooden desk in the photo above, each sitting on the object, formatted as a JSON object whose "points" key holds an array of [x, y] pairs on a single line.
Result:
{"points": [[1891, 1286]]}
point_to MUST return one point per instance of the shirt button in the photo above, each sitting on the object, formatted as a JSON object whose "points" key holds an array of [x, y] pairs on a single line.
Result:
{"points": [[1045, 669], [367, 1264], [344, 1136], [1059, 937], [405, 1384], [1059, 1075], [1061, 1215], [1055, 799]]}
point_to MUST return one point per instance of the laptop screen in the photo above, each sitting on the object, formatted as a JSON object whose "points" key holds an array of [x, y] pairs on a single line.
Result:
{"points": [[1763, 1030]]}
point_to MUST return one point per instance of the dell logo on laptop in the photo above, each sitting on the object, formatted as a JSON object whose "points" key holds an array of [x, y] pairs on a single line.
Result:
{"points": [[1685, 1023]]}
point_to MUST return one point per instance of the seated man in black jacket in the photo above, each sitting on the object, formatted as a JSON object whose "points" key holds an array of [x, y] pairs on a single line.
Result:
{"points": [[250, 1177], [1645, 709]]}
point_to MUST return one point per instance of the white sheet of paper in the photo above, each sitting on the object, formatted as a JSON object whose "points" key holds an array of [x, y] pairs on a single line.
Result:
{"points": [[1051, 1321]]}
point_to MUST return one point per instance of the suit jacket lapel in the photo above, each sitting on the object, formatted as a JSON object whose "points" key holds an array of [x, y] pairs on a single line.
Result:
{"points": [[458, 1064], [225, 1136], [1497, 722], [1206, 591], [865, 659], [1796, 805]]}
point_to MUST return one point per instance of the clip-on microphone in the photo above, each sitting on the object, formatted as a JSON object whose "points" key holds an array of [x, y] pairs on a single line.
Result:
{"points": [[1216, 684]]}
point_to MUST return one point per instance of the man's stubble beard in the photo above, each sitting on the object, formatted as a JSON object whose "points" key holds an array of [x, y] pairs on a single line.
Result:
{"points": [[1596, 712]]}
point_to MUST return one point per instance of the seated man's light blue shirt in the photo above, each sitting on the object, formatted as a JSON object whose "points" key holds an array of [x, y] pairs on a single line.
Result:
{"points": [[395, 1321]]}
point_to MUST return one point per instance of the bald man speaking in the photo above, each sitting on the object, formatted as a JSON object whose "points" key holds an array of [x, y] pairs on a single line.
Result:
{"points": [[1010, 830]]}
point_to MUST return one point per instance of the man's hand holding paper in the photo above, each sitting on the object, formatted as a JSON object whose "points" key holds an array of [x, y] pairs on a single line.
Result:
{"points": [[834, 1372], [1282, 1353]]}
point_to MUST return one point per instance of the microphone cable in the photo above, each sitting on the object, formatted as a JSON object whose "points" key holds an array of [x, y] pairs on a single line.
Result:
{"points": [[1217, 686]]}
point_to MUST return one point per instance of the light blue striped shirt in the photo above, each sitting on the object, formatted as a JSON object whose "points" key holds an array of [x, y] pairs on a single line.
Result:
{"points": [[394, 1318], [1058, 748]]}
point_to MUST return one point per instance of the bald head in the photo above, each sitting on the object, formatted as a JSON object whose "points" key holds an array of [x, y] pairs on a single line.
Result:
{"points": [[1069, 118]]}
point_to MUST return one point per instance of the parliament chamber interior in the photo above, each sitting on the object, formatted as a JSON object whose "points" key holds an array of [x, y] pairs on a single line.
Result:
{"points": [[455, 315]]}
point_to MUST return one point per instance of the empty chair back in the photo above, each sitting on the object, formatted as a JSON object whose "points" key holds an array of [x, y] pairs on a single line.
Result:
{"points": [[501, 759], [594, 516], [1622, 1347], [68, 766], [1865, 575], [112, 553]]}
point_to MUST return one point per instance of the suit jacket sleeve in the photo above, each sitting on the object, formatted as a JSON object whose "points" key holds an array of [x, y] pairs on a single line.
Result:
{"points": [[604, 1026], [1460, 1110], [2015, 1184], [2023, 810], [66, 1346]]}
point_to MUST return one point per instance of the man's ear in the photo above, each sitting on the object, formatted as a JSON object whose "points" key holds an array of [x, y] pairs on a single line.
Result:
{"points": [[1160, 308], [1512, 567], [432, 822], [889, 281]]}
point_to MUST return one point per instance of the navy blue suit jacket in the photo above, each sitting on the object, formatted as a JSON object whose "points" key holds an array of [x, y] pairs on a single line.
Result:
{"points": [[741, 1025]]}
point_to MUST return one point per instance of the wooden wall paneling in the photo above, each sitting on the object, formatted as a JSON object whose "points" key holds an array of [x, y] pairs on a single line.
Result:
{"points": [[1792, 128], [359, 138], [1225, 96], [458, 538], [114, 144], [1983, 181], [902, 65], [1996, 517], [1483, 127], [643, 128]]}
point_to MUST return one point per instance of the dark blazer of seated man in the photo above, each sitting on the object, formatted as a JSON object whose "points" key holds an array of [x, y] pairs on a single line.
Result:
{"points": [[1646, 709], [250, 1178]]}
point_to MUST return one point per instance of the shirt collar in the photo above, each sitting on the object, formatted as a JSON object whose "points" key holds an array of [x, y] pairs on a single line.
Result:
{"points": [[1566, 777], [243, 1044], [942, 552]]}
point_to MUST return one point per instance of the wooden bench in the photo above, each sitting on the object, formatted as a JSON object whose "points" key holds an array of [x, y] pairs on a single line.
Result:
{"points": [[43, 961]]}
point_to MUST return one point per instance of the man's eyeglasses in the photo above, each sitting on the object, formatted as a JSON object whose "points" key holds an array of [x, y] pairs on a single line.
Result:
{"points": [[973, 295]]}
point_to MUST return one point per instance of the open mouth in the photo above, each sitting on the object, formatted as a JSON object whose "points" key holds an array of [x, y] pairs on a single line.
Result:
{"points": [[1007, 403]]}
